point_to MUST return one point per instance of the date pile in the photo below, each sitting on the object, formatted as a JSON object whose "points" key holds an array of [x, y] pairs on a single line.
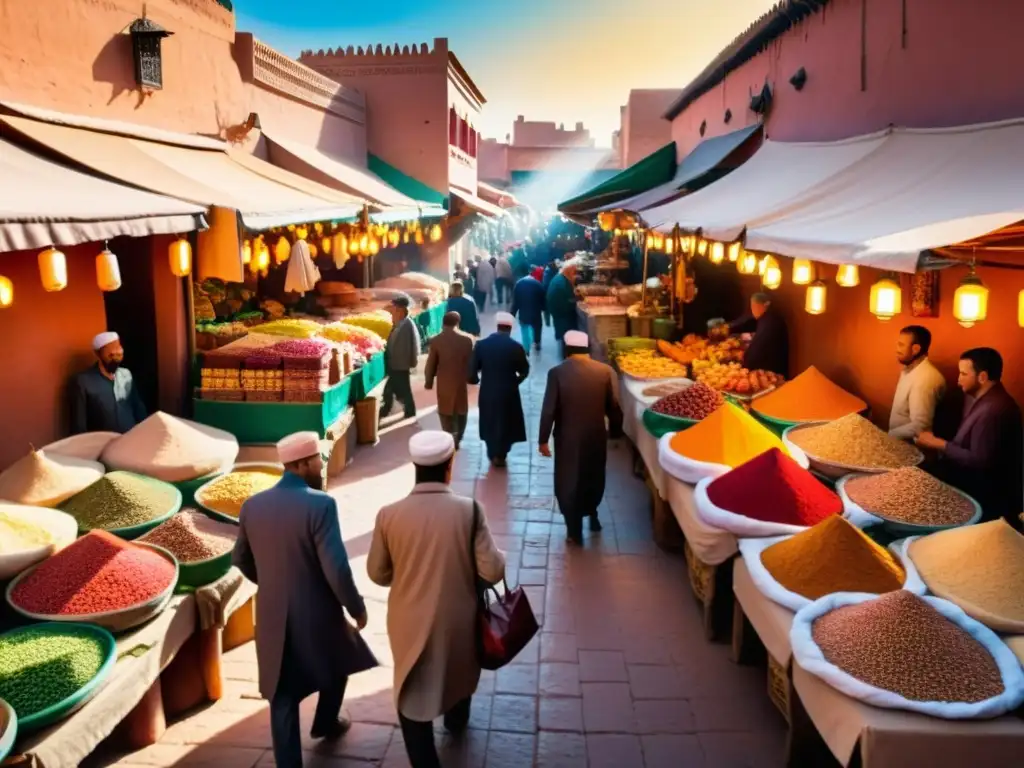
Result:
{"points": [[696, 402]]}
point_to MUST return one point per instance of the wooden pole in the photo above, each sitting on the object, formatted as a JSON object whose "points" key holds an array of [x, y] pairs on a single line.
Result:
{"points": [[643, 284], [672, 272]]}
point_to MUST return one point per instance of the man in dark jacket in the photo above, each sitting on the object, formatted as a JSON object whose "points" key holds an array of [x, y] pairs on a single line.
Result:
{"points": [[528, 303], [501, 363], [457, 302], [984, 458], [401, 355], [769, 349]]}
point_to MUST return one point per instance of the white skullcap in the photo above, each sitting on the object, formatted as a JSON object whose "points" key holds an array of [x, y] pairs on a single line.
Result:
{"points": [[301, 445], [431, 448], [100, 340], [577, 339], [504, 318]]}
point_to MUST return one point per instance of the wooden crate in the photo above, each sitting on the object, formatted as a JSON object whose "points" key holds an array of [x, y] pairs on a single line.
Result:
{"points": [[780, 687], [712, 586]]}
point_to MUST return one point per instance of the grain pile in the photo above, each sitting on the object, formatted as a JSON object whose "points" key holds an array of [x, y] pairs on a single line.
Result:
{"points": [[729, 436], [833, 556], [227, 494], [43, 480], [899, 643], [979, 568], [96, 574], [121, 500], [192, 537], [42, 666], [910, 495], [853, 441], [811, 396], [18, 535]]}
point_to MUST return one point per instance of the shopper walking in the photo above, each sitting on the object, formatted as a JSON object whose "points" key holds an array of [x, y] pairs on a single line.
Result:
{"points": [[429, 549], [289, 543], [401, 357], [468, 319], [561, 300], [448, 361], [484, 282], [500, 365], [528, 304], [504, 279]]}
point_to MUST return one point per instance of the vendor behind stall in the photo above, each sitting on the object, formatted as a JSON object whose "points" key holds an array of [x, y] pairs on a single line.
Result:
{"points": [[984, 458], [561, 300], [769, 349], [104, 397], [920, 388]]}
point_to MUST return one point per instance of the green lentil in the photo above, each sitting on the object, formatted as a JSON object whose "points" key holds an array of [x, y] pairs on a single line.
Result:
{"points": [[42, 666], [120, 500]]}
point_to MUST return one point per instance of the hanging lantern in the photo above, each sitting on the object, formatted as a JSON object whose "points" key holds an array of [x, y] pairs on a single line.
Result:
{"points": [[734, 251], [325, 245], [435, 233], [353, 246], [312, 250], [108, 272], [364, 243], [282, 250], [247, 252], [301, 233], [717, 253], [970, 301], [747, 265], [419, 237], [886, 299], [263, 255], [6, 292], [53, 270], [762, 265], [180, 254], [803, 272], [374, 246], [817, 295], [393, 237], [848, 275], [702, 247], [406, 238], [318, 228], [670, 246], [772, 277]]}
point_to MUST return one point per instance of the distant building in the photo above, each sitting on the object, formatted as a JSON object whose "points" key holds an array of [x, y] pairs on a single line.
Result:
{"points": [[644, 128]]}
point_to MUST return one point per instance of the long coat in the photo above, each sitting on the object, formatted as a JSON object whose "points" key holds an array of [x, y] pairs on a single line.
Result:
{"points": [[448, 361], [769, 349], [580, 394], [561, 305], [468, 319], [500, 365], [289, 543], [528, 301], [485, 277], [421, 549]]}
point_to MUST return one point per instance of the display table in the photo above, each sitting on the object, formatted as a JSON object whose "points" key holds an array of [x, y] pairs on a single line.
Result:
{"points": [[430, 321], [367, 378], [646, 444], [711, 545], [255, 422], [602, 322], [769, 620]]}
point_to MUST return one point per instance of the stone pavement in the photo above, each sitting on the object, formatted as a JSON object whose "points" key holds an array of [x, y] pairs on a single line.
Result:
{"points": [[620, 676]]}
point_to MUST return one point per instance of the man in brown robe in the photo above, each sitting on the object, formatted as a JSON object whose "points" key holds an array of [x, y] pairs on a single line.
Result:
{"points": [[448, 362], [580, 395]]}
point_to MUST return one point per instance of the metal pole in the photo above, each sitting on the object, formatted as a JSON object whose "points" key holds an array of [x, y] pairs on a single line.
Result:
{"points": [[643, 284], [674, 265]]}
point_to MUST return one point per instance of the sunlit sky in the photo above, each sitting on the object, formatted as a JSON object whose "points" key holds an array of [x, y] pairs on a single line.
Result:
{"points": [[557, 60]]}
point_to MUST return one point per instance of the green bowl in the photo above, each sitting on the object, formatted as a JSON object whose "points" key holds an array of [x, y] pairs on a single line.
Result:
{"points": [[659, 424], [203, 572], [778, 426], [901, 528], [134, 531], [188, 488], [79, 698], [240, 466], [8, 729]]}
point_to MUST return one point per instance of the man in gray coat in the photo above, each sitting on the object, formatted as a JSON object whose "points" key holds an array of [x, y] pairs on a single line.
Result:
{"points": [[289, 543], [580, 395], [402, 355]]}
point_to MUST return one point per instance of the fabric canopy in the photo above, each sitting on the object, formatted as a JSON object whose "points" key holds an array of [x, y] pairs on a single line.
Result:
{"points": [[477, 204], [705, 158], [499, 197], [43, 203], [304, 159], [204, 176], [879, 200], [655, 169]]}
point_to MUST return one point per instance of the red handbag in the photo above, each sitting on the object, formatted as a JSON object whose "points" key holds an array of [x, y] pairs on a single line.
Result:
{"points": [[505, 624]]}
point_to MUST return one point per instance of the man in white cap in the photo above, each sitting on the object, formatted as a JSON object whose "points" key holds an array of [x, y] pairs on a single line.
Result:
{"points": [[580, 395], [290, 544], [499, 366], [104, 397], [430, 548]]}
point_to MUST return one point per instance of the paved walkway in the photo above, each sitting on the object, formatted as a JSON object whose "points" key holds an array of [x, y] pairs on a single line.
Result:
{"points": [[620, 677]]}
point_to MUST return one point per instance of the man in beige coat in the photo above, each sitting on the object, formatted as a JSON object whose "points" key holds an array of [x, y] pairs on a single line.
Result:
{"points": [[448, 362], [423, 548]]}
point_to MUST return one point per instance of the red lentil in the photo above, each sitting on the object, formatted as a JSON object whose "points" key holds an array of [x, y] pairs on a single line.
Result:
{"points": [[97, 573]]}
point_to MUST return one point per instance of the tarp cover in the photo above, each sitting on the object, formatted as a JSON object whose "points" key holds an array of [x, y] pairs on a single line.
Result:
{"points": [[478, 204], [43, 203], [651, 171]]}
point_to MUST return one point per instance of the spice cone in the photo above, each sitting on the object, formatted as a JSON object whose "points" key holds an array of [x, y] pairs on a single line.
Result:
{"points": [[729, 436], [811, 396], [979, 568], [833, 556], [42, 480]]}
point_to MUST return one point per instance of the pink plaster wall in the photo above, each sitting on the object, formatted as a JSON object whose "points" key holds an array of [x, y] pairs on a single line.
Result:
{"points": [[531, 133], [70, 55], [644, 127], [957, 67], [493, 161]]}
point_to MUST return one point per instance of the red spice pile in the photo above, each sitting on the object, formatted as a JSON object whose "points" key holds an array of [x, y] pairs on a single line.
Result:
{"points": [[97, 573], [773, 488]]}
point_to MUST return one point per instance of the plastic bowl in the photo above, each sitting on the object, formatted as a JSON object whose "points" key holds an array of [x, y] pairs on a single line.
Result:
{"points": [[832, 470], [134, 531], [8, 729], [659, 424], [61, 526], [245, 465], [114, 621], [899, 526], [188, 488], [79, 698]]}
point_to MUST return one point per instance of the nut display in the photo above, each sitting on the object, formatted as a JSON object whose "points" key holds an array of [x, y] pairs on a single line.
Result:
{"points": [[734, 378], [695, 403]]}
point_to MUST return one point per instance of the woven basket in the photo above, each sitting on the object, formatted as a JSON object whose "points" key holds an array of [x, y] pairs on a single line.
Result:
{"points": [[702, 576], [366, 421], [779, 686]]}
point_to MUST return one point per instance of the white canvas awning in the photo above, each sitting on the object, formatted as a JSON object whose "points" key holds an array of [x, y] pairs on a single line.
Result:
{"points": [[477, 204], [43, 203]]}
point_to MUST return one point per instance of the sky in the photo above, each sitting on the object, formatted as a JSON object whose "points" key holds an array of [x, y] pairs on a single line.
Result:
{"points": [[565, 61]]}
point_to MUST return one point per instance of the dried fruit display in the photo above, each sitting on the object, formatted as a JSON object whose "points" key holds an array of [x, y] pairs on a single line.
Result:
{"points": [[734, 378], [696, 402]]}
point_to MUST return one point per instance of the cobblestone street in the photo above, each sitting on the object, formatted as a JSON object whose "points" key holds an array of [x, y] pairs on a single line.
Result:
{"points": [[620, 675]]}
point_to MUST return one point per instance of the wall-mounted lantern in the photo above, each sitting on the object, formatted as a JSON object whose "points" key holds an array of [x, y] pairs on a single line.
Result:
{"points": [[799, 80], [762, 102], [703, 126], [147, 37], [728, 116]]}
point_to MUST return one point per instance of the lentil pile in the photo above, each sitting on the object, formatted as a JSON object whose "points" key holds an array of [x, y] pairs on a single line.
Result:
{"points": [[855, 442], [227, 494], [773, 488], [191, 537], [42, 666], [17, 535], [120, 500], [729, 436], [910, 495], [96, 574], [899, 643], [833, 556], [811, 396], [978, 567]]}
